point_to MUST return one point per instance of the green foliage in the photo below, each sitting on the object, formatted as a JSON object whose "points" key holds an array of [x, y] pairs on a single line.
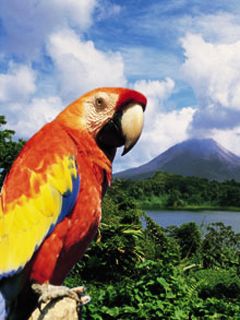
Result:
{"points": [[155, 292], [112, 256], [9, 149], [158, 245], [174, 199], [231, 195], [218, 283], [221, 247], [189, 238], [118, 247]]}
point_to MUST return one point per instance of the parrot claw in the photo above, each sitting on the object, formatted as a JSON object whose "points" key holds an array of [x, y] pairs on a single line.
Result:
{"points": [[48, 293]]}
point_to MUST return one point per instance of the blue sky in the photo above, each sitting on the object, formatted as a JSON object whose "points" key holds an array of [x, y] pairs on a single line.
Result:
{"points": [[184, 55]]}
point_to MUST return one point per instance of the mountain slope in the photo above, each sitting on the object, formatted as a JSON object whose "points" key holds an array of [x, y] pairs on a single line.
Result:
{"points": [[195, 157]]}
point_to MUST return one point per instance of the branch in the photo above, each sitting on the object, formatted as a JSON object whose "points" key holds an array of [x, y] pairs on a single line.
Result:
{"points": [[59, 302]]}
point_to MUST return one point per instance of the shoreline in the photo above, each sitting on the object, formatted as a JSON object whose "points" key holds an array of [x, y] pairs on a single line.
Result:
{"points": [[190, 208]]}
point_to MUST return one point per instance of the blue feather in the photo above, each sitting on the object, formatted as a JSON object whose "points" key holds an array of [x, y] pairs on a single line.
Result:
{"points": [[68, 202]]}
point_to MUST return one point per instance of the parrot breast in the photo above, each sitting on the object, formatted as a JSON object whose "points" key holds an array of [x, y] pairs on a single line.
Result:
{"points": [[70, 238]]}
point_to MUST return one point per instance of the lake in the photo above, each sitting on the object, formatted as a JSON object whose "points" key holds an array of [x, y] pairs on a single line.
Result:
{"points": [[166, 218]]}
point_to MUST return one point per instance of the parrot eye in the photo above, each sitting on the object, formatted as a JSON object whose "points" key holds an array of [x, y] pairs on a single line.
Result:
{"points": [[99, 102]]}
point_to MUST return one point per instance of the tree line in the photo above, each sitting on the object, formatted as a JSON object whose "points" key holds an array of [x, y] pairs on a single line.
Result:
{"points": [[165, 190]]}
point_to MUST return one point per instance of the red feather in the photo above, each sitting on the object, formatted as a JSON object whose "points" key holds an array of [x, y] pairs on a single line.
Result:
{"points": [[69, 240]]}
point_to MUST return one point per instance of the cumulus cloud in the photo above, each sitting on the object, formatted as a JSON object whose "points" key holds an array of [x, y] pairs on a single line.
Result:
{"points": [[220, 27], [80, 66], [25, 111], [29, 117], [168, 128], [34, 115], [213, 117], [17, 83], [157, 92], [27, 23], [212, 71], [228, 138]]}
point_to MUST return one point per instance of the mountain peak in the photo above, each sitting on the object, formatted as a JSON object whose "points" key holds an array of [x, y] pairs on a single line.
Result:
{"points": [[193, 157], [206, 147], [205, 143]]}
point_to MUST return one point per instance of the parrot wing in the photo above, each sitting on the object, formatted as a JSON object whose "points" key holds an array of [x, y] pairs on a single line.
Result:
{"points": [[36, 196]]}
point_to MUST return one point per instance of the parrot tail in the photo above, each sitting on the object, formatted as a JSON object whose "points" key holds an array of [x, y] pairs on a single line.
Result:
{"points": [[10, 289], [3, 308]]}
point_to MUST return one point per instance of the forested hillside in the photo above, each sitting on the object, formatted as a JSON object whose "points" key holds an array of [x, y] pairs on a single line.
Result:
{"points": [[173, 191]]}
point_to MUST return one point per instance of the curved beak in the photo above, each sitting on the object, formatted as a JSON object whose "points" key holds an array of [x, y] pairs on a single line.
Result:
{"points": [[124, 129], [132, 125]]}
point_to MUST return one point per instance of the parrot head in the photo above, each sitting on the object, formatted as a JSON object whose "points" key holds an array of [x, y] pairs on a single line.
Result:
{"points": [[112, 116]]}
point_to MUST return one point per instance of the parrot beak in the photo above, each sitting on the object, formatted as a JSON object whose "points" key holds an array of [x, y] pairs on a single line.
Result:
{"points": [[124, 129], [132, 125]]}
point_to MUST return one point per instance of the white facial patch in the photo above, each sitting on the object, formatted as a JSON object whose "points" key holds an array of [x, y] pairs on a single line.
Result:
{"points": [[97, 114]]}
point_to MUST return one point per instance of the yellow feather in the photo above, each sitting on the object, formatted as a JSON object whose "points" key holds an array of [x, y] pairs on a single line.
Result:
{"points": [[26, 221]]}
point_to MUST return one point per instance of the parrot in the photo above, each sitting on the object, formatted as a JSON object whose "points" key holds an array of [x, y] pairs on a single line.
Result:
{"points": [[50, 201]]}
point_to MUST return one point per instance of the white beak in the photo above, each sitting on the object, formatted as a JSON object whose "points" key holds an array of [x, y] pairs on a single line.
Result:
{"points": [[132, 125]]}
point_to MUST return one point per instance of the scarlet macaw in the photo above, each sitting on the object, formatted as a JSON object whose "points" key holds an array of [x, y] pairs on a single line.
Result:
{"points": [[50, 203]]}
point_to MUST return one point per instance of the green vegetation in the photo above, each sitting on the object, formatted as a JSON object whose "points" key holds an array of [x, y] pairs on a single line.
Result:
{"points": [[8, 149], [171, 191], [174, 273]]}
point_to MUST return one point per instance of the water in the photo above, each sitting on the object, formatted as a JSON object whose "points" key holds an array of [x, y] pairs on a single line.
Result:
{"points": [[166, 218]]}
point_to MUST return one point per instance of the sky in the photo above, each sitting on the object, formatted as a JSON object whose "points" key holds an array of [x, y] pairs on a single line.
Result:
{"points": [[184, 55]]}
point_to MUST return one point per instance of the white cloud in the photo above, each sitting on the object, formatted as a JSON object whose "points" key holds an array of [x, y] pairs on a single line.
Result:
{"points": [[17, 84], [157, 93], [25, 111], [77, 13], [155, 89], [26, 119], [168, 128], [80, 66], [212, 71], [220, 27], [228, 138], [107, 9], [27, 23]]}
